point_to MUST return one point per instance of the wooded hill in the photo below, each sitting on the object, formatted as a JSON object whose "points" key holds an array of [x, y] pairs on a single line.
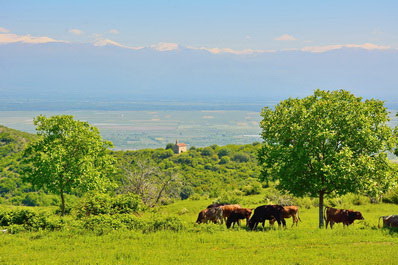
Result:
{"points": [[158, 175]]}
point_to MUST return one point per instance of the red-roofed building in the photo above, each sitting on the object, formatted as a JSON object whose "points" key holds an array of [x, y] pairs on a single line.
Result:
{"points": [[179, 148]]}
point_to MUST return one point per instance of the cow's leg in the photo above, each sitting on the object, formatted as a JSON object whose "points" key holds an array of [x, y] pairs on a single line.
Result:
{"points": [[331, 224], [327, 222]]}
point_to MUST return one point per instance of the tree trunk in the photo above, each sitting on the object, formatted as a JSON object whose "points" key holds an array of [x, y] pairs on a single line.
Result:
{"points": [[321, 195], [62, 203]]}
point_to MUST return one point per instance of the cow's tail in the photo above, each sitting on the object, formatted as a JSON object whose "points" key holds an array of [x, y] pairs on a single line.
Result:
{"points": [[378, 224], [298, 215], [324, 213]]}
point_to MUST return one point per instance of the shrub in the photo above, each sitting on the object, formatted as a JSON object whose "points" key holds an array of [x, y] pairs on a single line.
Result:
{"points": [[251, 189], [223, 152], [186, 192], [98, 204], [126, 203], [391, 196], [348, 200], [273, 196], [228, 197], [28, 219], [241, 157], [168, 223], [106, 222], [224, 160]]}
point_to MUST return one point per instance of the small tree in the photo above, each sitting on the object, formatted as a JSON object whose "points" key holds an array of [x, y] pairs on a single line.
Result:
{"points": [[150, 182], [330, 143], [70, 156]]}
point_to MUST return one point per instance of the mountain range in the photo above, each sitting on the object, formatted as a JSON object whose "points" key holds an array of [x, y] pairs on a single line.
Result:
{"points": [[108, 72]]}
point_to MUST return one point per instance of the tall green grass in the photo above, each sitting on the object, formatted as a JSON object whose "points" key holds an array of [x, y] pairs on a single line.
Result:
{"points": [[362, 242]]}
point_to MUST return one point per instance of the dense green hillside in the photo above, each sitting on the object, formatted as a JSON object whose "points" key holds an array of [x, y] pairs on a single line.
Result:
{"points": [[208, 171], [12, 143]]}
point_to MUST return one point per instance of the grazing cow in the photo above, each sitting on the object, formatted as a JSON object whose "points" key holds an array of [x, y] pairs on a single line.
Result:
{"points": [[238, 214], [267, 212], [389, 221], [202, 217], [347, 217], [227, 210], [289, 211], [210, 214], [214, 214]]}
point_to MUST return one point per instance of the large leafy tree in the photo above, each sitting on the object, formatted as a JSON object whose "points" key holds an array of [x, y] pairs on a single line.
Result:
{"points": [[69, 157], [329, 143]]}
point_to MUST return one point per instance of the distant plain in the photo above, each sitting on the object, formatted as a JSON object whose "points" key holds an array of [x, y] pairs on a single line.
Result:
{"points": [[156, 125]]}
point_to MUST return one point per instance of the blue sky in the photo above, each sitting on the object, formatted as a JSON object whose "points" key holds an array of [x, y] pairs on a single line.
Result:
{"points": [[212, 24]]}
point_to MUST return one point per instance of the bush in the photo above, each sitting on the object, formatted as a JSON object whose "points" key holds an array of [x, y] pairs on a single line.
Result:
{"points": [[28, 219], [168, 223], [186, 192], [99, 204], [228, 197], [348, 200], [106, 222], [224, 160], [252, 189], [40, 199], [241, 157], [273, 196], [391, 196]]}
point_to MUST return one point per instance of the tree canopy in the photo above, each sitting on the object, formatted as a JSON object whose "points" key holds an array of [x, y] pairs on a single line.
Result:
{"points": [[329, 143], [70, 156]]}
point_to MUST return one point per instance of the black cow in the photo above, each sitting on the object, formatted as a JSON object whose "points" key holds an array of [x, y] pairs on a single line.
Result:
{"points": [[267, 212]]}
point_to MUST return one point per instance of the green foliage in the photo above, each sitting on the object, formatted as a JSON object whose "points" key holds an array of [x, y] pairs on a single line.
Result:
{"points": [[105, 204], [201, 171], [329, 143], [229, 197], [391, 196], [69, 157], [251, 188], [240, 157], [24, 219], [12, 144]]}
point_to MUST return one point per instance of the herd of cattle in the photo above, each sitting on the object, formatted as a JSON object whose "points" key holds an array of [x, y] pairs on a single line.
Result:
{"points": [[233, 213]]}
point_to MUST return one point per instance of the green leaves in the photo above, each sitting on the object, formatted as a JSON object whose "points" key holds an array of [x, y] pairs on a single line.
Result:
{"points": [[69, 157], [331, 141]]}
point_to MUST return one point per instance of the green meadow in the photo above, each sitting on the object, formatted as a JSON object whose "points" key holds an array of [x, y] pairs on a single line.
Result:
{"points": [[362, 242]]}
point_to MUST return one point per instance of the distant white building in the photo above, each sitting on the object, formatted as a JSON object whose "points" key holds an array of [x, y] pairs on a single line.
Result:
{"points": [[179, 148]]}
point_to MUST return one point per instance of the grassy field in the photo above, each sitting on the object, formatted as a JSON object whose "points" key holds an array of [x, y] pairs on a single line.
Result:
{"points": [[361, 243]]}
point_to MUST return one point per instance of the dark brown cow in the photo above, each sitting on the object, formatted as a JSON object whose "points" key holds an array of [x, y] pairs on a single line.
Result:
{"points": [[227, 210], [202, 217], [267, 212], [289, 211], [238, 214], [347, 217], [389, 221]]}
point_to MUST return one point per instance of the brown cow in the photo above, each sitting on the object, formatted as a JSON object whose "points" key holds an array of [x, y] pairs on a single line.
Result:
{"points": [[389, 221], [238, 214], [289, 211], [347, 217], [210, 214], [202, 217], [227, 210]]}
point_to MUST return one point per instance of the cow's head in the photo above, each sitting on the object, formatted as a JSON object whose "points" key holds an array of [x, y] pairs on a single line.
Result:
{"points": [[355, 215], [248, 212]]}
